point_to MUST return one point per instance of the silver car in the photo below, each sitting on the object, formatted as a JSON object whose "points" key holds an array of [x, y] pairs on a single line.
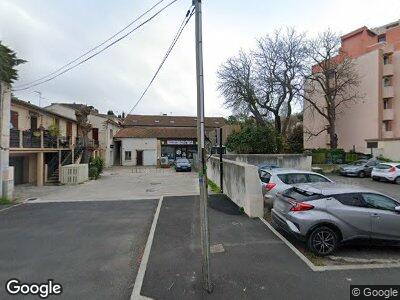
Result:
{"points": [[275, 180], [325, 215], [360, 168]]}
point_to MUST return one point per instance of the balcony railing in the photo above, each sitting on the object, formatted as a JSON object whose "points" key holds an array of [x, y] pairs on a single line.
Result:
{"points": [[90, 143], [388, 70], [37, 139], [388, 114], [15, 140], [31, 139]]}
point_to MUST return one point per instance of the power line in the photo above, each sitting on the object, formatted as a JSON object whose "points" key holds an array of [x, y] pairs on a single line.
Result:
{"points": [[100, 51], [186, 19], [94, 48]]}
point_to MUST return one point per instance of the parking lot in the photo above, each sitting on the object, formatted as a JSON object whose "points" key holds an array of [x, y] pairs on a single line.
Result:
{"points": [[387, 188]]}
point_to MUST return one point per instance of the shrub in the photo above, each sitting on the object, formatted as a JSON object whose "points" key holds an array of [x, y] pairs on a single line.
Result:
{"points": [[252, 139], [96, 166]]}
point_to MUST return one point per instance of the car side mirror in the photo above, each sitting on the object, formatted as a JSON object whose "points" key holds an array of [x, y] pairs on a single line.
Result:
{"points": [[397, 209]]}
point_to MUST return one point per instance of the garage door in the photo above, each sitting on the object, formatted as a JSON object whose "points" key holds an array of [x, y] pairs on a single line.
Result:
{"points": [[149, 158]]}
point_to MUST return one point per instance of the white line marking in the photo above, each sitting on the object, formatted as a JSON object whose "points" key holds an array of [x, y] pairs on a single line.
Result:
{"points": [[327, 268], [294, 249], [146, 254], [15, 205]]}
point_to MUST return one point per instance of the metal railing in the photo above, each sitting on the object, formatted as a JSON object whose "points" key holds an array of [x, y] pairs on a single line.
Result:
{"points": [[37, 139]]}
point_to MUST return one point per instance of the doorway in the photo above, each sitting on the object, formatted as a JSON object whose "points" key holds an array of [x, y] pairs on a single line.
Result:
{"points": [[139, 157], [117, 153]]}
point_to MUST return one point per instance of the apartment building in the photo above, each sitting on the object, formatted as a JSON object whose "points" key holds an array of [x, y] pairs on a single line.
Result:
{"points": [[104, 128], [40, 141], [147, 138], [372, 124]]}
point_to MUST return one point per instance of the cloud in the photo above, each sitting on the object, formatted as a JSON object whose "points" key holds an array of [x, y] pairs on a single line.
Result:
{"points": [[50, 33]]}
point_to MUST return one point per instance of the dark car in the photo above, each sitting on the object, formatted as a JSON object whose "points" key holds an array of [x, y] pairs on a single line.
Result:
{"points": [[183, 164], [360, 168]]}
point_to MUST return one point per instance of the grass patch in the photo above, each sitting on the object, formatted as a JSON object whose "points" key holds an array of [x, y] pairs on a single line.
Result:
{"points": [[5, 201], [213, 186]]}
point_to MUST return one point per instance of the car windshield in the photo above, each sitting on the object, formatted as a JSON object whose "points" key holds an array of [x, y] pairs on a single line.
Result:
{"points": [[358, 163], [293, 178], [182, 161]]}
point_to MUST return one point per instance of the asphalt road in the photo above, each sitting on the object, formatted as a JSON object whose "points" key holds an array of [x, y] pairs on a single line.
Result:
{"points": [[254, 264], [93, 249], [387, 188]]}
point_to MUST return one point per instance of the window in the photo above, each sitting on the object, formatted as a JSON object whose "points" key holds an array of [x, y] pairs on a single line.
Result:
{"points": [[34, 123], [265, 176], [386, 59], [387, 81], [350, 199], [382, 38], [331, 74], [386, 104], [387, 125], [379, 202], [293, 178], [316, 178], [14, 119], [383, 167], [128, 155], [300, 195]]}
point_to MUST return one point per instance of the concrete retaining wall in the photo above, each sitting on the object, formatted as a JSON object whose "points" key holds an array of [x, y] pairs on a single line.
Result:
{"points": [[293, 161], [241, 184]]}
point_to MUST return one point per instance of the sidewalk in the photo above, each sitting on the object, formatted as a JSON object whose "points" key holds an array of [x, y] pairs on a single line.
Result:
{"points": [[255, 264]]}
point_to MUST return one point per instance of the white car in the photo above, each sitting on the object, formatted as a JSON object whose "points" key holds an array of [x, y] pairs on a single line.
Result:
{"points": [[387, 171], [275, 180]]}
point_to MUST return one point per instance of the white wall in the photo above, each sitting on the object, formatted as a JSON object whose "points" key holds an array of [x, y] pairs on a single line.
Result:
{"points": [[133, 144]]}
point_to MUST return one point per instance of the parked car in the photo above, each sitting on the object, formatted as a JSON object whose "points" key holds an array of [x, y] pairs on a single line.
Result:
{"points": [[183, 164], [387, 171], [275, 180], [325, 215], [360, 168]]}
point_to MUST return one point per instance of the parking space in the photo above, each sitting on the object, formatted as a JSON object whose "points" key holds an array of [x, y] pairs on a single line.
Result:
{"points": [[93, 249], [387, 188]]}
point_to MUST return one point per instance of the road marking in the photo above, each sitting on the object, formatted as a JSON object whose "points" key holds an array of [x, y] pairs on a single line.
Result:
{"points": [[327, 268], [9, 207], [146, 254]]}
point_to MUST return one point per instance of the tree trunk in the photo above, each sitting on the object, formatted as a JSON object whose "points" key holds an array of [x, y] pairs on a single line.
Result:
{"points": [[278, 123], [333, 136]]}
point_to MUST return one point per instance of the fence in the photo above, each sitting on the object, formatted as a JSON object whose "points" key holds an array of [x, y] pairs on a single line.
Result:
{"points": [[74, 174]]}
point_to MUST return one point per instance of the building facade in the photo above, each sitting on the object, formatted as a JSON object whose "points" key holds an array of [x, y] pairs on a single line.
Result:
{"points": [[145, 139], [104, 128], [371, 124], [40, 142]]}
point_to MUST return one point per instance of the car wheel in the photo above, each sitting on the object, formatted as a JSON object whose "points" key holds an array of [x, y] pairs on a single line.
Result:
{"points": [[323, 241], [376, 179], [361, 174], [397, 180]]}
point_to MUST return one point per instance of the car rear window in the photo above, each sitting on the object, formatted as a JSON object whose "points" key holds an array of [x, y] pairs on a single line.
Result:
{"points": [[294, 178], [383, 167], [300, 195]]}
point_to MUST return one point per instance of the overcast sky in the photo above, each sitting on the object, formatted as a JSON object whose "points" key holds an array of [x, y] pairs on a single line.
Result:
{"points": [[50, 33]]}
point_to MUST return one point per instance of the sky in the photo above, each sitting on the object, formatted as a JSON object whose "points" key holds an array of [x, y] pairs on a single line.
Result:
{"points": [[49, 33]]}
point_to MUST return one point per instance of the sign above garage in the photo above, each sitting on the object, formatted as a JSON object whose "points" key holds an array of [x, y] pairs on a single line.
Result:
{"points": [[180, 142]]}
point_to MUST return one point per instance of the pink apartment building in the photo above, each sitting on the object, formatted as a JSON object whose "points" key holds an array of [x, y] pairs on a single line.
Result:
{"points": [[374, 121]]}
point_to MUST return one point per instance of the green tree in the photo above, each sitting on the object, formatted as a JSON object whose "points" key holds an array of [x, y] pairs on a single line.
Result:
{"points": [[254, 139], [294, 142], [8, 62]]}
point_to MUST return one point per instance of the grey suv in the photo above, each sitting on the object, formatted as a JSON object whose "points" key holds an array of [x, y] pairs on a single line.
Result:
{"points": [[326, 214]]}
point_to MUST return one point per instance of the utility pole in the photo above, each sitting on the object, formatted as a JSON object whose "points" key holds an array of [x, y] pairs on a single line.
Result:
{"points": [[201, 155], [221, 163], [40, 97]]}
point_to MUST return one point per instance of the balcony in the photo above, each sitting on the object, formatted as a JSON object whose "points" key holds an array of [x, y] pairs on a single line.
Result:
{"points": [[387, 134], [37, 140], [388, 115], [387, 48], [388, 70], [388, 92]]}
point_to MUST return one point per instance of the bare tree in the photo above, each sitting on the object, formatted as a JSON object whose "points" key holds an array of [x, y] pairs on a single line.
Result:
{"points": [[82, 114], [266, 81], [332, 84]]}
